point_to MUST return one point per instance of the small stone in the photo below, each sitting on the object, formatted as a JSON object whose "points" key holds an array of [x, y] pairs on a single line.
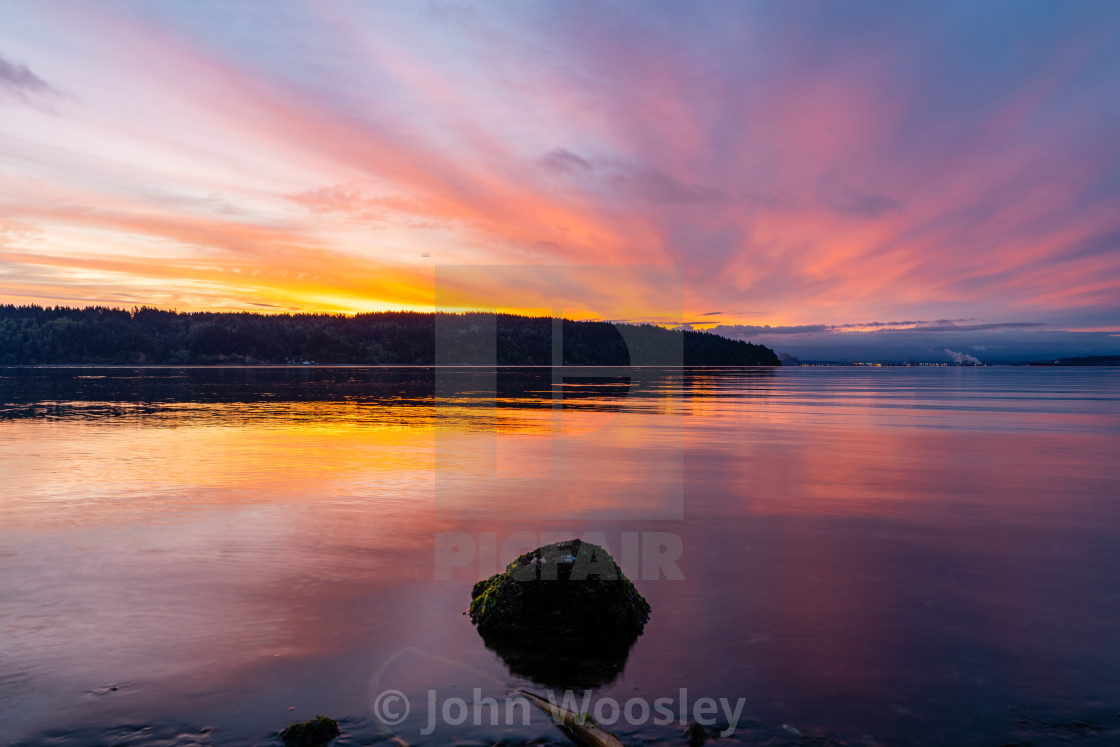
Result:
{"points": [[696, 734], [317, 732]]}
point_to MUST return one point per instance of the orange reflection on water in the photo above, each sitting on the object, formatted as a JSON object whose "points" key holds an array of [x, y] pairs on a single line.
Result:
{"points": [[846, 539]]}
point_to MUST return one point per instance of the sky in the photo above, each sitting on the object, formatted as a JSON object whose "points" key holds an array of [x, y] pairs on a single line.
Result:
{"points": [[836, 180]]}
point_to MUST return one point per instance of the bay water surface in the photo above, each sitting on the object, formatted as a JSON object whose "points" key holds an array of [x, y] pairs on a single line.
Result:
{"points": [[200, 556]]}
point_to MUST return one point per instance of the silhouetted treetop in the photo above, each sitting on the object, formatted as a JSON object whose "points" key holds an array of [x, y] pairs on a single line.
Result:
{"points": [[36, 335]]}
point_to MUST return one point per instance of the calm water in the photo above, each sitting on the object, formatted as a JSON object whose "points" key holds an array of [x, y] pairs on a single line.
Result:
{"points": [[888, 556]]}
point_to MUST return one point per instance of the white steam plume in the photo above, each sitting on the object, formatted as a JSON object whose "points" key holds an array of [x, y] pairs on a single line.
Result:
{"points": [[963, 358]]}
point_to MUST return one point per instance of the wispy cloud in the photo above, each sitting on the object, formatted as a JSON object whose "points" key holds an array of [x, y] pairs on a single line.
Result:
{"points": [[563, 162], [655, 186], [873, 328], [615, 177], [745, 330], [942, 325], [821, 169], [868, 206], [19, 82]]}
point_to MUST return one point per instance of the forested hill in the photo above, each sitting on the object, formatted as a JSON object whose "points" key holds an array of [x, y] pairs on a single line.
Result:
{"points": [[34, 335]]}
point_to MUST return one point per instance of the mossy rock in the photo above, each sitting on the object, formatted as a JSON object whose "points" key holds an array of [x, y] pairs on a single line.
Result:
{"points": [[570, 589], [318, 732]]}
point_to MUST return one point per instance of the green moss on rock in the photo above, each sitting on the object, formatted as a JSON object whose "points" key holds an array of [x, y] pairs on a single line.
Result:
{"points": [[564, 589], [318, 732]]}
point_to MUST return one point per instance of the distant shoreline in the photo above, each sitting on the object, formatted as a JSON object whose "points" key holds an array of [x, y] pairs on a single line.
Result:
{"points": [[99, 336], [300, 366]]}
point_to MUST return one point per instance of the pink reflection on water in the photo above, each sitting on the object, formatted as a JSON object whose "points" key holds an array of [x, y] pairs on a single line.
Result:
{"points": [[858, 558]]}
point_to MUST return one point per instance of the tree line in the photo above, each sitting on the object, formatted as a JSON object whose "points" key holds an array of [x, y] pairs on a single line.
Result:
{"points": [[60, 335], [1090, 360]]}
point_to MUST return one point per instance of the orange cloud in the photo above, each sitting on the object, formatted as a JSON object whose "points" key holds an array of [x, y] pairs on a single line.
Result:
{"points": [[781, 166]]}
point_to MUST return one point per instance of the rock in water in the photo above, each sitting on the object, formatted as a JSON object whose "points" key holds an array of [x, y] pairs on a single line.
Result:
{"points": [[570, 589], [563, 616], [317, 732]]}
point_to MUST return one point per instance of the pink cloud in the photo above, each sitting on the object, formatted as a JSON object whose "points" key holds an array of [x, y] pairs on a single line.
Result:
{"points": [[816, 174]]}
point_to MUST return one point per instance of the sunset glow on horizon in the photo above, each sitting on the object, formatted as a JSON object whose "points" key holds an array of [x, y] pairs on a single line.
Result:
{"points": [[812, 167]]}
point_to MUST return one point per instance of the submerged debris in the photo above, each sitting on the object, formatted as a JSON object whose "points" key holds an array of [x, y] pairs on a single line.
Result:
{"points": [[580, 728]]}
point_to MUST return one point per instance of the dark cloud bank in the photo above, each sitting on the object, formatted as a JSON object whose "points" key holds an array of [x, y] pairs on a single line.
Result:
{"points": [[1007, 342]]}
